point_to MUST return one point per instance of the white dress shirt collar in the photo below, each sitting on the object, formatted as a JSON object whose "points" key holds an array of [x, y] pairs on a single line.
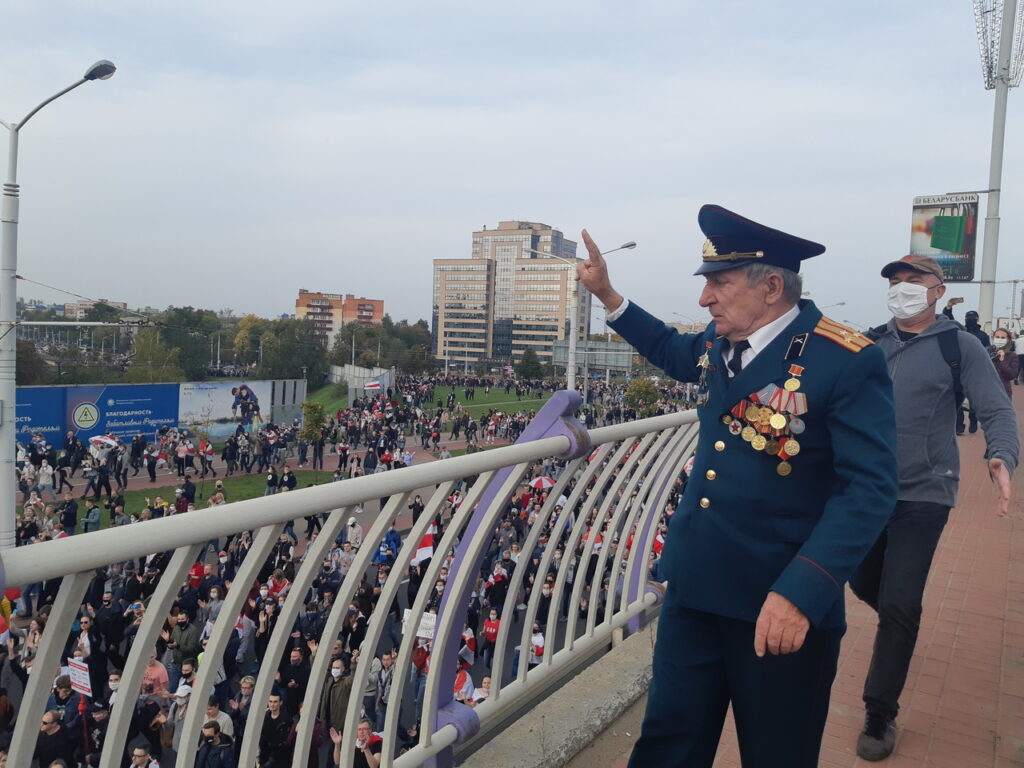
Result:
{"points": [[765, 335]]}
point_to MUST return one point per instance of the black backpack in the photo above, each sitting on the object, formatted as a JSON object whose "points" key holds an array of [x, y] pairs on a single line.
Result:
{"points": [[949, 345]]}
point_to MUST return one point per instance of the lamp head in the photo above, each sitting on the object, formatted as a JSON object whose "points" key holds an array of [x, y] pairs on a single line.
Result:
{"points": [[101, 70]]}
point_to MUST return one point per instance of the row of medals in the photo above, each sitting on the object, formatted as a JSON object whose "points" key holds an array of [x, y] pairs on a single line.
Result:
{"points": [[767, 430]]}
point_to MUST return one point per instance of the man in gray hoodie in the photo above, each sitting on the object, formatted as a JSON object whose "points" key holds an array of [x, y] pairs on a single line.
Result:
{"points": [[892, 577]]}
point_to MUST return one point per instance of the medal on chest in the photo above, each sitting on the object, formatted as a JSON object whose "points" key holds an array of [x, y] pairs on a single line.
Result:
{"points": [[770, 419], [704, 363]]}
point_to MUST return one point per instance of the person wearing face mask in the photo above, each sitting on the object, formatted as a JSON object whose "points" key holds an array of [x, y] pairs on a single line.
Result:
{"points": [[921, 349], [973, 327], [216, 750], [793, 479], [335, 695], [489, 637], [1005, 360]]}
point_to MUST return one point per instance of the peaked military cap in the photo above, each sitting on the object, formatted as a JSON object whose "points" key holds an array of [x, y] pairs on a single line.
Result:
{"points": [[735, 241]]}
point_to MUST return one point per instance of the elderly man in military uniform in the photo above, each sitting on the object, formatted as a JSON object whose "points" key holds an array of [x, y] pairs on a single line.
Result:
{"points": [[793, 480]]}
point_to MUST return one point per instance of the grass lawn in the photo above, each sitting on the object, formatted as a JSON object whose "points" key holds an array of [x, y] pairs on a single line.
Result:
{"points": [[238, 488], [476, 408], [328, 395]]}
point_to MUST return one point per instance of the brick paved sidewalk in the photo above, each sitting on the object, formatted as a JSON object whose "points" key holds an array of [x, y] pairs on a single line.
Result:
{"points": [[963, 705]]}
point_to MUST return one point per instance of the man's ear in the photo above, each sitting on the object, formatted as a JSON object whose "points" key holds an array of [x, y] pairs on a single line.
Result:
{"points": [[776, 285]]}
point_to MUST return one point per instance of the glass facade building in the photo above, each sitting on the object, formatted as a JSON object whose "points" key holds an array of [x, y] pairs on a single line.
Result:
{"points": [[512, 294]]}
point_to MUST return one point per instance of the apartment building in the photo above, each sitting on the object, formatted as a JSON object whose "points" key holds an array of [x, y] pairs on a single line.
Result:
{"points": [[329, 312]]}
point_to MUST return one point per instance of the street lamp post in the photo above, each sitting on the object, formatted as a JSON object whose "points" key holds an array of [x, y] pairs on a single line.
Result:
{"points": [[101, 70], [1002, 61], [570, 372]]}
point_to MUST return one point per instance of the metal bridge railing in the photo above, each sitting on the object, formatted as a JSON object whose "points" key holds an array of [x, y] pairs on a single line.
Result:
{"points": [[616, 480]]}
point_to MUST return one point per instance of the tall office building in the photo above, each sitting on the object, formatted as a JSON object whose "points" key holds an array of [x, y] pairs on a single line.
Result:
{"points": [[512, 294]]}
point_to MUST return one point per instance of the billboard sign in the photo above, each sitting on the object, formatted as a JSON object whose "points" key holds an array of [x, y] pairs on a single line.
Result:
{"points": [[122, 410], [945, 227], [218, 407], [40, 410]]}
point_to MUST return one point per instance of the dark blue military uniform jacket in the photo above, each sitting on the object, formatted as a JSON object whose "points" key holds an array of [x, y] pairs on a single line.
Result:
{"points": [[742, 528]]}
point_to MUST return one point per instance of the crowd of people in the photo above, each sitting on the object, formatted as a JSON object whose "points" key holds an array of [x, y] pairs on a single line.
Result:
{"points": [[371, 436]]}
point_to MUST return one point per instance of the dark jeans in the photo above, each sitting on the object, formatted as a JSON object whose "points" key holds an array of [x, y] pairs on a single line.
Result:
{"points": [[891, 580]]}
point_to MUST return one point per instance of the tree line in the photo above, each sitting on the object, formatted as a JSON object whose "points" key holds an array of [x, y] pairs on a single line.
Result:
{"points": [[190, 344]]}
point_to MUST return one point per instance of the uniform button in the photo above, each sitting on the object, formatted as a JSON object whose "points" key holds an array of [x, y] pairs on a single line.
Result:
{"points": [[720, 445], [711, 474], [705, 502]]}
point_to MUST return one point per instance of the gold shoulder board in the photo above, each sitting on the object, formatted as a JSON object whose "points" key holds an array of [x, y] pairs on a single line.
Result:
{"points": [[842, 335]]}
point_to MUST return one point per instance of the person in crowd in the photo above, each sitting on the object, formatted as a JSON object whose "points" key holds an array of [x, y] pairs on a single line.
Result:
{"points": [[55, 741], [217, 749], [973, 327], [1005, 359], [275, 751], [934, 365]]}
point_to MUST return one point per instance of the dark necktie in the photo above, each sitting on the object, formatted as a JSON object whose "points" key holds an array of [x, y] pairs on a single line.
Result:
{"points": [[736, 361]]}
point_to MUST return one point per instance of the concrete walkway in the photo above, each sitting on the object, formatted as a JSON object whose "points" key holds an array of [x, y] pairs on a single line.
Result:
{"points": [[963, 705]]}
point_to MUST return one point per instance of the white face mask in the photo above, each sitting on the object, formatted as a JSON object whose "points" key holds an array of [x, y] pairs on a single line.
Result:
{"points": [[907, 300], [114, 685], [335, 673], [998, 342]]}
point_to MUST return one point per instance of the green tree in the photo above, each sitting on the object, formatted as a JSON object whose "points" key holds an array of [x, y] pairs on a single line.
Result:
{"points": [[102, 313], [40, 314], [31, 367], [291, 344], [313, 419], [189, 330], [529, 367], [153, 361], [642, 396], [247, 339]]}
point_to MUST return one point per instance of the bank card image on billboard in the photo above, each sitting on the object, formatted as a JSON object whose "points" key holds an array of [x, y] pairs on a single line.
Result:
{"points": [[123, 410], [945, 227], [218, 407]]}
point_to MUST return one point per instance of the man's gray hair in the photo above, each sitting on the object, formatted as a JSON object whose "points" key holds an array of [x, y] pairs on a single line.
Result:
{"points": [[792, 283]]}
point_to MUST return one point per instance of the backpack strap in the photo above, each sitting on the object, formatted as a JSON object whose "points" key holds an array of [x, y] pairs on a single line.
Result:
{"points": [[949, 345], [877, 332]]}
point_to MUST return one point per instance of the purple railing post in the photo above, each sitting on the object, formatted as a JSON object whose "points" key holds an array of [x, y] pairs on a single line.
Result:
{"points": [[556, 418]]}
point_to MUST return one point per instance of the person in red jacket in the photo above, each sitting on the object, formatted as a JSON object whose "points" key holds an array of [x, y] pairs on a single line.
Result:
{"points": [[490, 637]]}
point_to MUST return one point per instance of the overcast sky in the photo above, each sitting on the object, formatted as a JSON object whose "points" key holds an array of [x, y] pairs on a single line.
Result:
{"points": [[246, 150]]}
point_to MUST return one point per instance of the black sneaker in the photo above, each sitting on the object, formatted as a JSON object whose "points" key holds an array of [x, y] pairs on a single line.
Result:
{"points": [[878, 738]]}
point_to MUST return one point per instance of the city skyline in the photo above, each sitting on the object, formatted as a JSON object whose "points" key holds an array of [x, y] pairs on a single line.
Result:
{"points": [[240, 153]]}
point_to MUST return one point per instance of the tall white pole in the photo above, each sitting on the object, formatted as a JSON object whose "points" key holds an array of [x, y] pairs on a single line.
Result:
{"points": [[570, 373], [8, 341], [990, 250]]}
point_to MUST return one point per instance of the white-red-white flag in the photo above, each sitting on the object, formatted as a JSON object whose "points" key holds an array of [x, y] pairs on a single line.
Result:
{"points": [[425, 550]]}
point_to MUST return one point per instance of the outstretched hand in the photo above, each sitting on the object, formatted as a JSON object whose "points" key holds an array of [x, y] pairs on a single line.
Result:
{"points": [[1000, 475], [593, 273]]}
